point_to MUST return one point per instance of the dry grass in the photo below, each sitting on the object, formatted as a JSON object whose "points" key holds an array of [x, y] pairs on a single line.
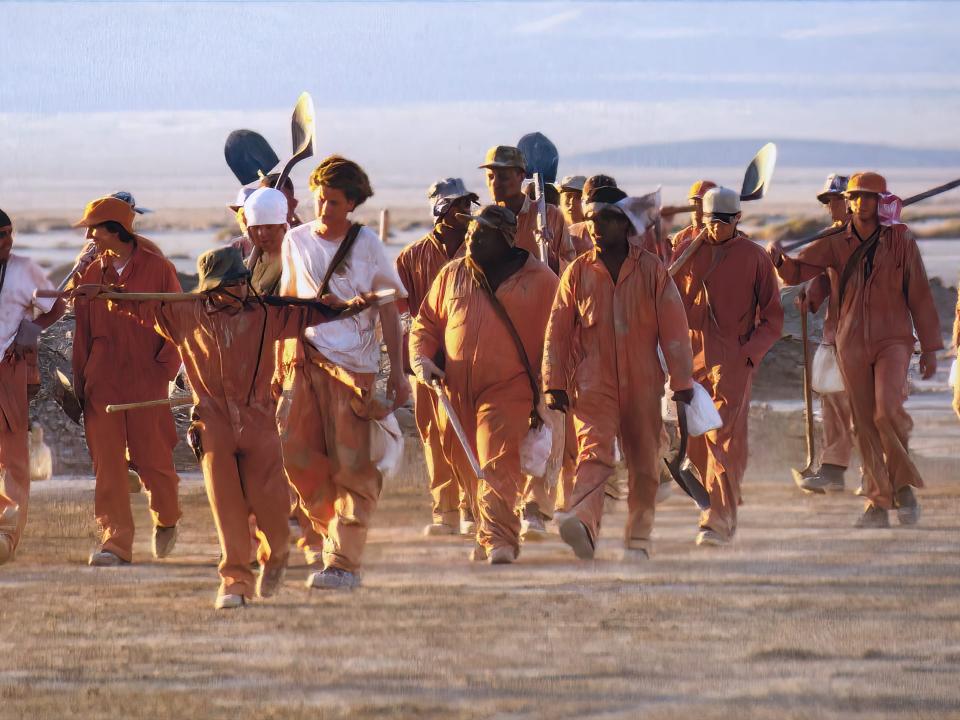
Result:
{"points": [[802, 617]]}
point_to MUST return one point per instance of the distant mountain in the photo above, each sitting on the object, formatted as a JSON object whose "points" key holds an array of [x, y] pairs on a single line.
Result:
{"points": [[790, 153]]}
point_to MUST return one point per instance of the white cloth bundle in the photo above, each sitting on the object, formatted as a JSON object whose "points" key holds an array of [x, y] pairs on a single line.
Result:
{"points": [[825, 378]]}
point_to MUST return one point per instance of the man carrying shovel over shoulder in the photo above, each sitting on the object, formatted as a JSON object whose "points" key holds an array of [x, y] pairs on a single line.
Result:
{"points": [[837, 417], [687, 234], [616, 304], [487, 314], [116, 360], [881, 297], [22, 318], [729, 289], [330, 399], [418, 265]]}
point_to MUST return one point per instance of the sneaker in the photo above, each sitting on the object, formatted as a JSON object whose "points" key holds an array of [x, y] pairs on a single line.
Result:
{"points": [[502, 555], [575, 534], [828, 479], [270, 579], [635, 554], [478, 554], [710, 538], [333, 578], [105, 558], [468, 526], [531, 524], [6, 548], [439, 529], [229, 601], [873, 517], [908, 509], [164, 538]]}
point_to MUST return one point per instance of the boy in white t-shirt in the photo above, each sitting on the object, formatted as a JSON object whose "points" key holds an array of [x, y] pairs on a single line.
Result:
{"points": [[22, 317], [329, 374]]}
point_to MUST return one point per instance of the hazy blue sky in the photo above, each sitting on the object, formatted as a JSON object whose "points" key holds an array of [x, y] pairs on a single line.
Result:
{"points": [[431, 85]]}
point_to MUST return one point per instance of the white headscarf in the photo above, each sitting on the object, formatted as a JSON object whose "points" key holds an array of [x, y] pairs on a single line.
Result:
{"points": [[265, 206]]}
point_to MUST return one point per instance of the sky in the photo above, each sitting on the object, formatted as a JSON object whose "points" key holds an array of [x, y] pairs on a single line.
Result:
{"points": [[148, 91]]}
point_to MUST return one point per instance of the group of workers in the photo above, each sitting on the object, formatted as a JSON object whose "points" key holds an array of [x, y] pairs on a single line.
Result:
{"points": [[567, 356]]}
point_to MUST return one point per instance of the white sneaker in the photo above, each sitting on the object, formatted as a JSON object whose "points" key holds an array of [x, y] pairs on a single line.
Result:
{"points": [[438, 530], [332, 578], [270, 579], [710, 538], [531, 525], [229, 602], [164, 540], [105, 558], [6, 548]]}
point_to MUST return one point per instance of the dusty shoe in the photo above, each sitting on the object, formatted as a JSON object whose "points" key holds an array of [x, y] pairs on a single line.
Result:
{"points": [[332, 578], [502, 555], [164, 539], [575, 534], [908, 509], [229, 601], [439, 529], [873, 517], [637, 550], [532, 527], [6, 548], [710, 538], [270, 579], [105, 558], [468, 526], [828, 479], [478, 554]]}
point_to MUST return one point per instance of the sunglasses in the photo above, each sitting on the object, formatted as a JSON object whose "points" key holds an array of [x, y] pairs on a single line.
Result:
{"points": [[723, 218]]}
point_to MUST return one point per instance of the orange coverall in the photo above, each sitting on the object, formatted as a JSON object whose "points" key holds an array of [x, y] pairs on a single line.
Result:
{"points": [[885, 299], [417, 266], [733, 308], [837, 416], [228, 352], [601, 348], [14, 447], [488, 385], [116, 360]]}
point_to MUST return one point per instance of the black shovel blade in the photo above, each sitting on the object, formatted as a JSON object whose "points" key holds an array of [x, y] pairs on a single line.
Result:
{"points": [[759, 173], [541, 156], [66, 397], [689, 484], [249, 154]]}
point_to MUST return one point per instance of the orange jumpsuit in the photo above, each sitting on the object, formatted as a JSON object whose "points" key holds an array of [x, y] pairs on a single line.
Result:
{"points": [[561, 253], [488, 385], [116, 360], [837, 416], [229, 355], [733, 308], [580, 237], [417, 266], [886, 298], [601, 347]]}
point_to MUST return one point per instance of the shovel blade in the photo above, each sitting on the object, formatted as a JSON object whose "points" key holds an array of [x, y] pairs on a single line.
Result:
{"points": [[248, 154], [759, 173], [302, 126], [689, 484], [66, 397], [541, 156]]}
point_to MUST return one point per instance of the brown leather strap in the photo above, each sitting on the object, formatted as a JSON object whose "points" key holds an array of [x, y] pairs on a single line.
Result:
{"points": [[339, 256], [477, 274], [854, 260]]}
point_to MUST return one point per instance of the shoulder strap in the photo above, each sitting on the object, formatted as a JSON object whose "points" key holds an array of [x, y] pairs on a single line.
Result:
{"points": [[3, 273], [477, 274], [339, 256], [854, 260]]}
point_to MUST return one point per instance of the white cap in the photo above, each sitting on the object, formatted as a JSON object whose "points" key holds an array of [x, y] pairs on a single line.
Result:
{"points": [[721, 200], [265, 206], [242, 195]]}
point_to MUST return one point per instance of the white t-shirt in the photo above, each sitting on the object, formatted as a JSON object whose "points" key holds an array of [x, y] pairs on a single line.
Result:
{"points": [[17, 302], [351, 343]]}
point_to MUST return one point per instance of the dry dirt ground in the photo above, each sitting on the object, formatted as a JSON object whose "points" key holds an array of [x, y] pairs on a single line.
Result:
{"points": [[802, 617]]}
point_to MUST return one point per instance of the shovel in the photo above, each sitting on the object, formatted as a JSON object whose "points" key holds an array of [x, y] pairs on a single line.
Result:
{"points": [[684, 478], [249, 156], [801, 476], [301, 132], [457, 427], [756, 182], [540, 155]]}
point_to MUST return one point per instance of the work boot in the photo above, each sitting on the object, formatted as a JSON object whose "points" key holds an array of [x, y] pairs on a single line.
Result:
{"points": [[270, 578], [333, 578], [105, 558], [532, 527], [502, 555], [478, 554], [710, 538], [908, 509], [438, 529], [468, 526], [229, 601], [828, 479], [873, 517], [575, 534], [164, 538], [6, 548]]}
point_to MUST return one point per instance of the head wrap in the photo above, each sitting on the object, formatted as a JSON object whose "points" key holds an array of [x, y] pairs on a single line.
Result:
{"points": [[265, 206]]}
